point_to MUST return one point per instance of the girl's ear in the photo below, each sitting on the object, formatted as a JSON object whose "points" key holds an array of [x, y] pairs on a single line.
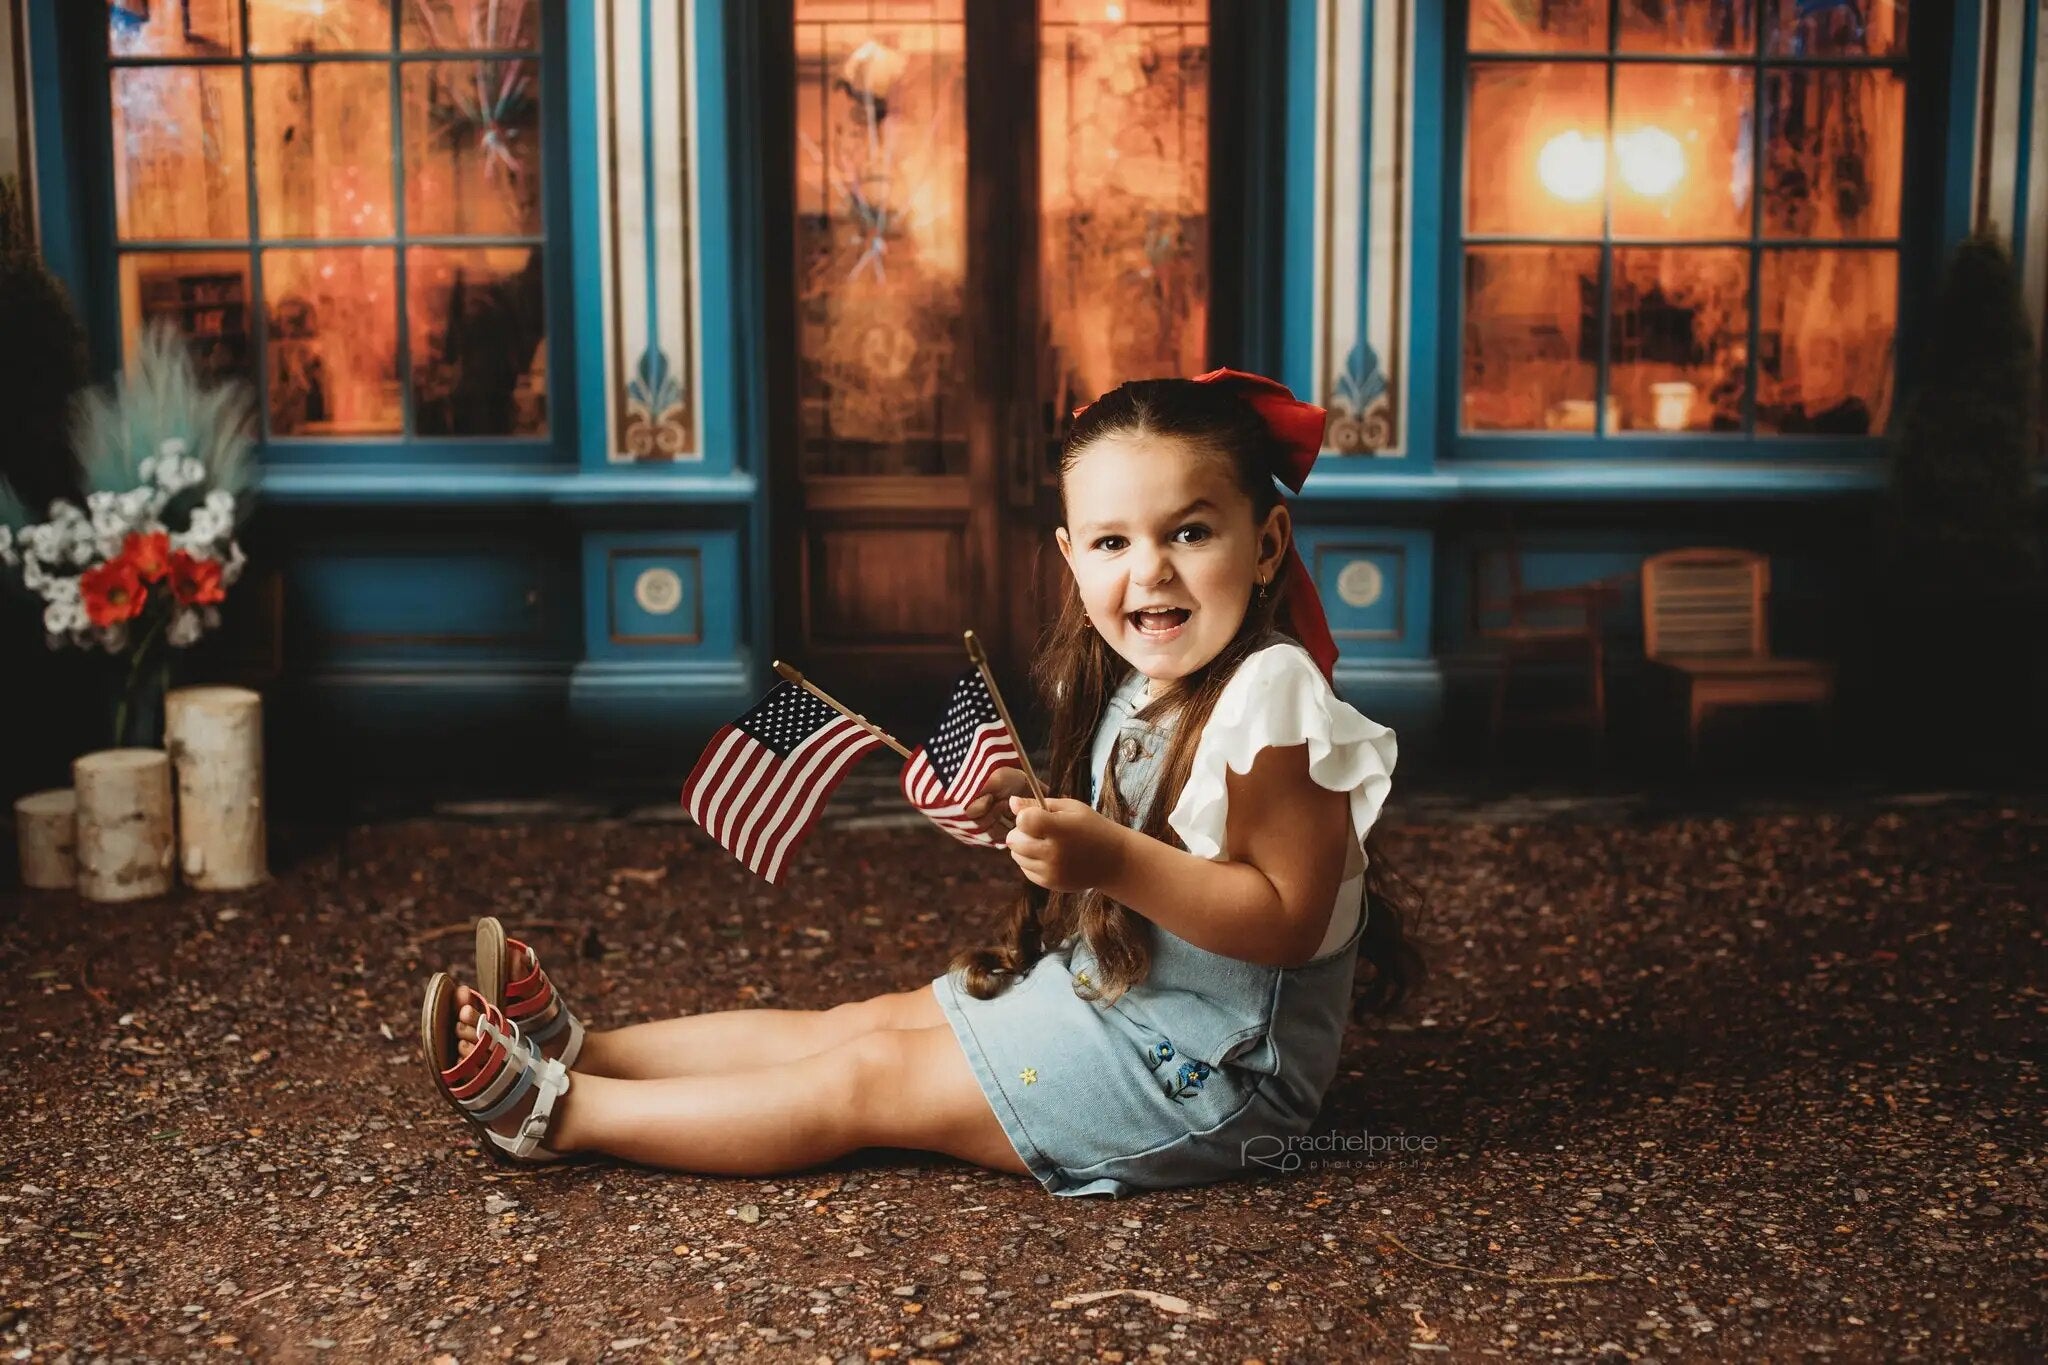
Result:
{"points": [[1274, 538], [1066, 544]]}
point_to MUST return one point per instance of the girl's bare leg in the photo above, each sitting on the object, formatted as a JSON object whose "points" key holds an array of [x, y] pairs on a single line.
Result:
{"points": [[735, 1040], [887, 1088]]}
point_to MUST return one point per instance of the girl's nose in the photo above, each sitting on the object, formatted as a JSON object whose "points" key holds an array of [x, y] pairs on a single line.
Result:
{"points": [[1151, 567]]}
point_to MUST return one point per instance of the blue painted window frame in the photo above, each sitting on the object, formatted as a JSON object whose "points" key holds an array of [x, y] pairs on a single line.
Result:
{"points": [[74, 131], [1941, 91]]}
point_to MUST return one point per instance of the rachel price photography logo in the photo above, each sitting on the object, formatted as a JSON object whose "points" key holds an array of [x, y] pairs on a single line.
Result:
{"points": [[1333, 1150]]}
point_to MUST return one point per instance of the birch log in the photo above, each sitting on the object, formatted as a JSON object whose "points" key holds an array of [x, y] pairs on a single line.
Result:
{"points": [[215, 739], [47, 823], [125, 845]]}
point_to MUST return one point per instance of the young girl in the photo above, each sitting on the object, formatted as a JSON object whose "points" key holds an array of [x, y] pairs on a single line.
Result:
{"points": [[1177, 979]]}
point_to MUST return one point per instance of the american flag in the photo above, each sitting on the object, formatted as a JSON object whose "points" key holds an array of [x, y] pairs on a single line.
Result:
{"points": [[764, 779], [947, 770]]}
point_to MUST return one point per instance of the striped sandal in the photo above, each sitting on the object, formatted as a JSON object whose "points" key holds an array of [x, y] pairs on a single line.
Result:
{"points": [[503, 1070], [530, 1000]]}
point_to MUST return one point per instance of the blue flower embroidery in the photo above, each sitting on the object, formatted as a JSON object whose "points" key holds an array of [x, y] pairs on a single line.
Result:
{"points": [[1189, 1079], [1162, 1051]]}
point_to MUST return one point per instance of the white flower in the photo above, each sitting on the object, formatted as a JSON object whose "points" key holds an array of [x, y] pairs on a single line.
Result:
{"points": [[62, 617], [114, 638], [221, 503], [185, 628], [173, 447], [205, 527], [7, 551], [231, 567], [147, 469]]}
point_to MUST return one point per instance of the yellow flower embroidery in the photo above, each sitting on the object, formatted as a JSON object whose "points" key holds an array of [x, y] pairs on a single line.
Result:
{"points": [[1082, 977], [1029, 1075]]}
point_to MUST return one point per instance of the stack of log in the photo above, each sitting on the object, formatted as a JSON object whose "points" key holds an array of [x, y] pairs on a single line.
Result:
{"points": [[134, 818]]}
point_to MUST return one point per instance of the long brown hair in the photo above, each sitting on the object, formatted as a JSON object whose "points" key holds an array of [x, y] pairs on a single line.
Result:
{"points": [[1075, 671]]}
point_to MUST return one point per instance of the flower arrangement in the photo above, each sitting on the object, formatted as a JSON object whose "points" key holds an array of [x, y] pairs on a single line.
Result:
{"points": [[144, 565]]}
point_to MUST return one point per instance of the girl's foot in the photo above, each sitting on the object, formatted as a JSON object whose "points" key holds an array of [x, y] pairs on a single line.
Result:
{"points": [[511, 978], [494, 1076]]}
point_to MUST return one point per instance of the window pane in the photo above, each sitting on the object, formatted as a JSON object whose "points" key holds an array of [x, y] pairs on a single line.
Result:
{"points": [[1688, 26], [323, 149], [331, 329], [1534, 139], [174, 28], [1124, 187], [179, 153], [319, 26], [1834, 150], [204, 294], [1531, 348], [1824, 360], [1557, 26], [1681, 338], [1681, 151], [1835, 28], [470, 25], [881, 165], [477, 329], [472, 148]]}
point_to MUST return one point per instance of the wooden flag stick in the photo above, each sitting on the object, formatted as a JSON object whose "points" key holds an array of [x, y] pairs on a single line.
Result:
{"points": [[974, 652], [807, 685]]}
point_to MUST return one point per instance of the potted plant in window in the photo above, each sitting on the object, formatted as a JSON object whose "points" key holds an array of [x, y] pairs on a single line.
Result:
{"points": [[1960, 606]]}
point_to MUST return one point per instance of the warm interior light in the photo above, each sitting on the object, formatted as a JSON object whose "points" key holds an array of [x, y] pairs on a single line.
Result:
{"points": [[1651, 161], [1570, 166]]}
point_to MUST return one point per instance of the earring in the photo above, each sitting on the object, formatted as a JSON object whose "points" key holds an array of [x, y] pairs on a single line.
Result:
{"points": [[1262, 589]]}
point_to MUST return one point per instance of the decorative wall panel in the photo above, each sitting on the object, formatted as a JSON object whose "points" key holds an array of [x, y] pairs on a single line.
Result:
{"points": [[647, 168], [1363, 294]]}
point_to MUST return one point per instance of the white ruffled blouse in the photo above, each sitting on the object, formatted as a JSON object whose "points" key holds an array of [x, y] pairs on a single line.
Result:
{"points": [[1278, 698]]}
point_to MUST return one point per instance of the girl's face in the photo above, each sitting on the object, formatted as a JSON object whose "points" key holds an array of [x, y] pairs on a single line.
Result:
{"points": [[1164, 551]]}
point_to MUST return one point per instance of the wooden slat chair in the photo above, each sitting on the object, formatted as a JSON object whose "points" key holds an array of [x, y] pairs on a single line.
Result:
{"points": [[1705, 620], [1548, 626]]}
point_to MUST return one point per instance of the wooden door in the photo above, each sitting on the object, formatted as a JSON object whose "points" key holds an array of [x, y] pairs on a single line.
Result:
{"points": [[996, 210]]}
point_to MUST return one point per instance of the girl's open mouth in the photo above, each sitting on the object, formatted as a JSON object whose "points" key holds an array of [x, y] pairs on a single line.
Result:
{"points": [[1160, 624]]}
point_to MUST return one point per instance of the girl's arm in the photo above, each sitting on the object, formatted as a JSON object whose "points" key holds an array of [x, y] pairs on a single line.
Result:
{"points": [[1269, 904]]}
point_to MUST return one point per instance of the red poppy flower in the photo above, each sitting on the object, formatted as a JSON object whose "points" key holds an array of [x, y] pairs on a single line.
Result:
{"points": [[150, 554], [196, 582], [113, 592]]}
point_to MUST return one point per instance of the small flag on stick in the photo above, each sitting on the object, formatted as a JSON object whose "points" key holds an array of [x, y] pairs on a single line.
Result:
{"points": [[947, 771], [763, 780]]}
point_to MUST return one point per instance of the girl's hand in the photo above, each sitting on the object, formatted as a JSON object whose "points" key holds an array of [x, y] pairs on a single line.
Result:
{"points": [[1066, 845], [990, 807]]}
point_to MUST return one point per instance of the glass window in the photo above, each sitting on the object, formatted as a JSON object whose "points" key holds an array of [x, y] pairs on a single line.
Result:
{"points": [[339, 200], [1681, 216]]}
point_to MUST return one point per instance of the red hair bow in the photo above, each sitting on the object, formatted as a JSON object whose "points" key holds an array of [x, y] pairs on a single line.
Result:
{"points": [[1298, 428]]}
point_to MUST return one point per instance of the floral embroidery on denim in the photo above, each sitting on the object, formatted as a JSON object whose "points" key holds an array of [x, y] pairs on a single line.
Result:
{"points": [[1162, 1051], [1029, 1075], [1188, 1079], [1081, 977]]}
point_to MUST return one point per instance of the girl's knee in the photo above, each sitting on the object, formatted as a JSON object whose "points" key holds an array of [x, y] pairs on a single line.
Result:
{"points": [[896, 1010]]}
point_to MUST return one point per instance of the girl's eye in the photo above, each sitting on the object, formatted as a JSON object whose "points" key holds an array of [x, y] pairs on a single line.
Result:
{"points": [[1195, 533], [1109, 542]]}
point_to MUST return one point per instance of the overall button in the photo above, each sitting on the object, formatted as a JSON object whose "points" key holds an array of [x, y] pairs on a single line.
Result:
{"points": [[1134, 749]]}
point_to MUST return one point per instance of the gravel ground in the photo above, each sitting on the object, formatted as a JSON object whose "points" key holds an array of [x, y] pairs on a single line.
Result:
{"points": [[1758, 1086]]}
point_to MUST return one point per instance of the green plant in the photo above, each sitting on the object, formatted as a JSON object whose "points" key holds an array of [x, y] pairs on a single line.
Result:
{"points": [[42, 365], [1960, 522], [1958, 609], [161, 398]]}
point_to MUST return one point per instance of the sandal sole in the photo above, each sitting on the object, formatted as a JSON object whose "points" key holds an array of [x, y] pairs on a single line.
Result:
{"points": [[491, 959], [437, 1023]]}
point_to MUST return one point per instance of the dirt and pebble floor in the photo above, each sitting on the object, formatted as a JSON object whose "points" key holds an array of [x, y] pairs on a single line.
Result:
{"points": [[1756, 1086]]}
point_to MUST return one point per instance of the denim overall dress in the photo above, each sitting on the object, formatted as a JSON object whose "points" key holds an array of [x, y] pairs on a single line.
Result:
{"points": [[1172, 1083]]}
